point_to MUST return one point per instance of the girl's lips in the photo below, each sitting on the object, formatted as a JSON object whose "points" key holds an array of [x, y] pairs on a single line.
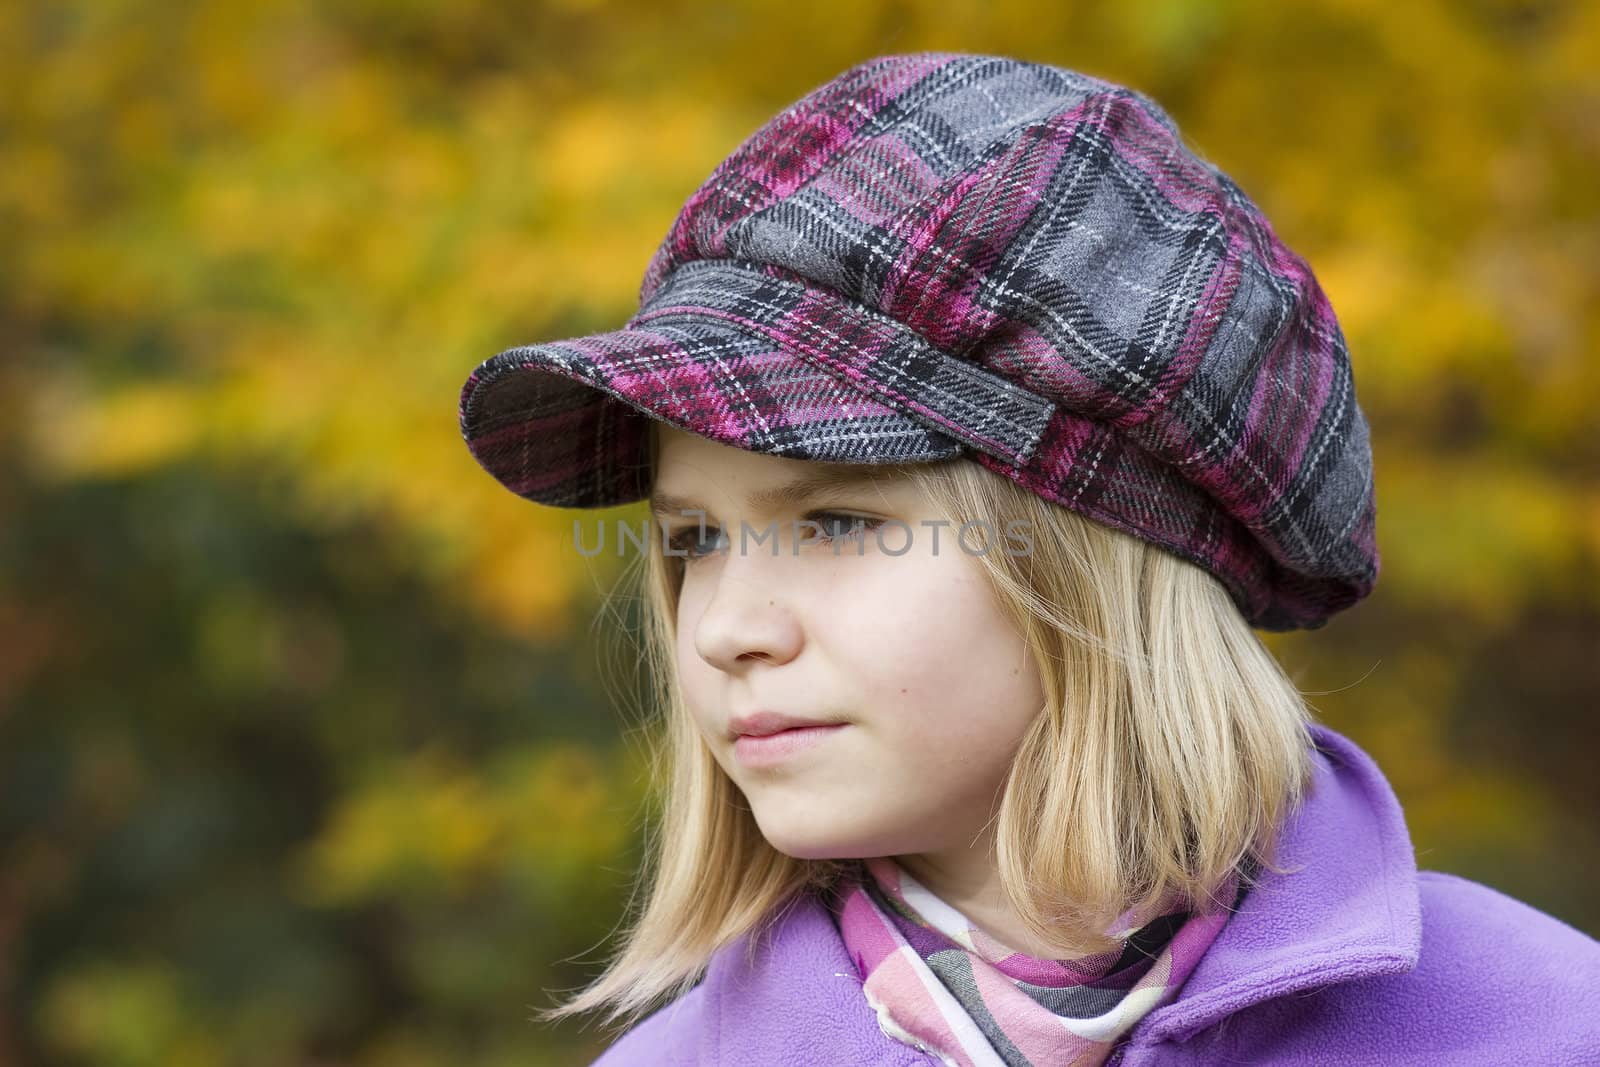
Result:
{"points": [[773, 749]]}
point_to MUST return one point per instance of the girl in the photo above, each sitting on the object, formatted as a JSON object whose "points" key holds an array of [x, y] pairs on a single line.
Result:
{"points": [[983, 420]]}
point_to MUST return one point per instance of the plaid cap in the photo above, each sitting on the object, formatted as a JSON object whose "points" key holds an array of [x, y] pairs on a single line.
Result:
{"points": [[942, 254]]}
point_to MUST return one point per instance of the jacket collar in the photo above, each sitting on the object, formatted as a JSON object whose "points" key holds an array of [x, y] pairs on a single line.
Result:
{"points": [[1349, 909]]}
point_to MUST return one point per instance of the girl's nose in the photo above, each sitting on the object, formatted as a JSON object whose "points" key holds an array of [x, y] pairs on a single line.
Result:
{"points": [[748, 617]]}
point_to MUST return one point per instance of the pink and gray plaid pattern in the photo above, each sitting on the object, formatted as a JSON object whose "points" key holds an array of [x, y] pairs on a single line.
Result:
{"points": [[939, 254]]}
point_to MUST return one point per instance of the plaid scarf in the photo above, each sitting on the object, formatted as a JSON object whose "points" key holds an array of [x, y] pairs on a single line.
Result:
{"points": [[944, 986]]}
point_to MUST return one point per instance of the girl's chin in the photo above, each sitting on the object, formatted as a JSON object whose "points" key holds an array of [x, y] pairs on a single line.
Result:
{"points": [[821, 846]]}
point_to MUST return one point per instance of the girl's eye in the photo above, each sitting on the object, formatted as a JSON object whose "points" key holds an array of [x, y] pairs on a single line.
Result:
{"points": [[850, 524], [690, 546]]}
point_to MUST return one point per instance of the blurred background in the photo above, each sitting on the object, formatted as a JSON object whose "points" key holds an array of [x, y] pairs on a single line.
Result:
{"points": [[314, 741]]}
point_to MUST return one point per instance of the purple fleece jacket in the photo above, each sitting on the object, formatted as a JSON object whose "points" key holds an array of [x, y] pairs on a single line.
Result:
{"points": [[1358, 958]]}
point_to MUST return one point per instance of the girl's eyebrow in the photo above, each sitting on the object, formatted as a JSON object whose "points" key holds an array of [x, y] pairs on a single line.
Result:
{"points": [[797, 491]]}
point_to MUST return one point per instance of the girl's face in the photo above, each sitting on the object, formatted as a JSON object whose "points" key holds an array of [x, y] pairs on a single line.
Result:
{"points": [[934, 688]]}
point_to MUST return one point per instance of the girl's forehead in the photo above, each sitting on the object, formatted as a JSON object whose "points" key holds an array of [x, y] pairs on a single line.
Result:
{"points": [[690, 469], [685, 486]]}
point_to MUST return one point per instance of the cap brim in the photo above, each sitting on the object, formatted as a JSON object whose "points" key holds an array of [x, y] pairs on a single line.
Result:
{"points": [[565, 423]]}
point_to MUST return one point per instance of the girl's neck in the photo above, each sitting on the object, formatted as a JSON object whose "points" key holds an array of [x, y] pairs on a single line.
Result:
{"points": [[972, 887]]}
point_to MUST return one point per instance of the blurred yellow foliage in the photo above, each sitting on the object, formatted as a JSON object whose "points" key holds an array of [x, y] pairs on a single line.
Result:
{"points": [[127, 1016], [545, 816], [78, 435]]}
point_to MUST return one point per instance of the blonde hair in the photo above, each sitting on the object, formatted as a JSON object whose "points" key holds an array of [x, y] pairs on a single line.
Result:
{"points": [[1171, 747]]}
